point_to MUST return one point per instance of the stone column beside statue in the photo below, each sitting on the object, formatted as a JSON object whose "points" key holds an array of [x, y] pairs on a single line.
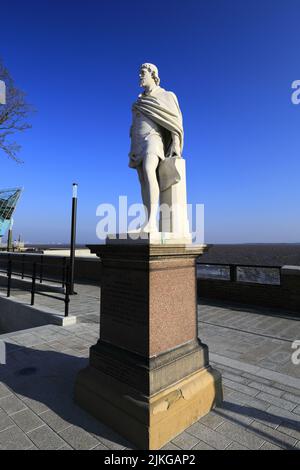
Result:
{"points": [[149, 376]]}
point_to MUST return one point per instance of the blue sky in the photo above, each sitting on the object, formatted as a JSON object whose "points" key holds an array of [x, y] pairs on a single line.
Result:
{"points": [[230, 62]]}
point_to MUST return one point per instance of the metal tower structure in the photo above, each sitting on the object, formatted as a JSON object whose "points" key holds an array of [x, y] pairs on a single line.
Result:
{"points": [[8, 202]]}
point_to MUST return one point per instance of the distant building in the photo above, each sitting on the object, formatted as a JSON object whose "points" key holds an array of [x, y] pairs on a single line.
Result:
{"points": [[8, 202]]}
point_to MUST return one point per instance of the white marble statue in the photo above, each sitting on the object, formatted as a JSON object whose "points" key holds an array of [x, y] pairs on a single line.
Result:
{"points": [[156, 135]]}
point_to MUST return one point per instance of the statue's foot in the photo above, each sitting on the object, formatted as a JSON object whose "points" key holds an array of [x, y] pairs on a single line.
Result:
{"points": [[149, 228]]}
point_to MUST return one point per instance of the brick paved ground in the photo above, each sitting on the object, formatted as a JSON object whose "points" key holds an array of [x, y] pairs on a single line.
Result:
{"points": [[252, 349]]}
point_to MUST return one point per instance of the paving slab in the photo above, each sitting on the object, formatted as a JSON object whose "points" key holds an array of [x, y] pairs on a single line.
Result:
{"points": [[211, 437], [241, 434], [185, 441], [275, 436], [78, 438], [45, 438], [27, 420], [14, 439]]}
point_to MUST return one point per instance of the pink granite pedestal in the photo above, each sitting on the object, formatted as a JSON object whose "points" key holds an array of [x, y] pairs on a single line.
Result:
{"points": [[149, 375]]}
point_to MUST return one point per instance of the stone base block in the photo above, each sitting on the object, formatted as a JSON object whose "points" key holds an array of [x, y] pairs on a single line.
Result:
{"points": [[152, 238], [148, 422], [16, 316]]}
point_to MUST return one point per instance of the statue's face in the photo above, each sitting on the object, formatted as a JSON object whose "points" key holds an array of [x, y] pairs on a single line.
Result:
{"points": [[146, 79]]}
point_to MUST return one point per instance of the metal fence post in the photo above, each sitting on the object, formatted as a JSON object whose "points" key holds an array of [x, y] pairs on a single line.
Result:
{"points": [[67, 292], [233, 272], [73, 239], [23, 265], [64, 272], [33, 283], [9, 270], [41, 269]]}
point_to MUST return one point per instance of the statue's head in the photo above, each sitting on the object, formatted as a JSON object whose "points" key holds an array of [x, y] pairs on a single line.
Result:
{"points": [[148, 75]]}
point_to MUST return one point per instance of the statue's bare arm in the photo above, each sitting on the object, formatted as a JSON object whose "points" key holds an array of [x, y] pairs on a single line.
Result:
{"points": [[175, 150], [175, 147]]}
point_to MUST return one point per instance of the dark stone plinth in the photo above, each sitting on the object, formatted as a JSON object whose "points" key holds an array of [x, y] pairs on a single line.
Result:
{"points": [[149, 375]]}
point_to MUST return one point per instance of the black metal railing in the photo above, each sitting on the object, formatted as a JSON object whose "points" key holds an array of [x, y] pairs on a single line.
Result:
{"points": [[60, 266], [36, 272], [234, 273]]}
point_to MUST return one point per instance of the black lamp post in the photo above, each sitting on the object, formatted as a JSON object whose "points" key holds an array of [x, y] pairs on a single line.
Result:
{"points": [[73, 239], [9, 235]]}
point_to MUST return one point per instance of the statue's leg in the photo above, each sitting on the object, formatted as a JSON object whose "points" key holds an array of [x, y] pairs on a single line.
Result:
{"points": [[150, 164], [144, 191]]}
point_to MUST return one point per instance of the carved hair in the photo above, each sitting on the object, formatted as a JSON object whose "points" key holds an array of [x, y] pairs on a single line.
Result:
{"points": [[154, 71]]}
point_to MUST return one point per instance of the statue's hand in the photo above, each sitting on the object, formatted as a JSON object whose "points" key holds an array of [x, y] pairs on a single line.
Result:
{"points": [[175, 148]]}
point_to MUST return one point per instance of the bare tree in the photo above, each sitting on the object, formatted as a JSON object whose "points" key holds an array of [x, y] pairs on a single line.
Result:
{"points": [[13, 115]]}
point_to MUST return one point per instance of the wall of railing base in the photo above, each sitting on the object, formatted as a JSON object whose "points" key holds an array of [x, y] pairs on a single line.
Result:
{"points": [[284, 296], [86, 269]]}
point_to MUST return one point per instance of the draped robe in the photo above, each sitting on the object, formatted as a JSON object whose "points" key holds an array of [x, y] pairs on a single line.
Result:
{"points": [[162, 108]]}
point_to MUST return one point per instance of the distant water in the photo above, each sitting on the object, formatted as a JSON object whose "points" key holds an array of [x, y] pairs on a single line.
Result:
{"points": [[244, 274], [268, 255], [262, 254]]}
